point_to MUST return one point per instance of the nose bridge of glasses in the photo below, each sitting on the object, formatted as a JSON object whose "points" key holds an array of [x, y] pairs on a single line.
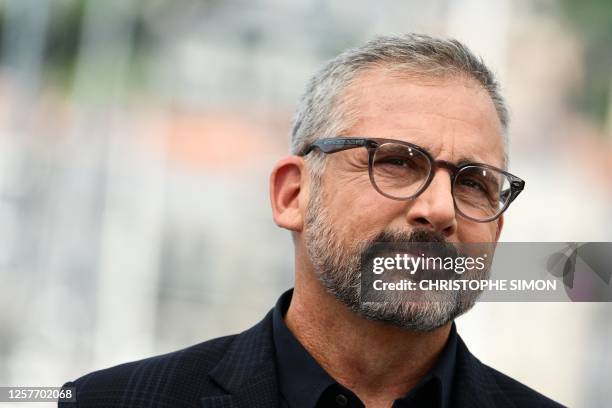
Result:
{"points": [[443, 164]]}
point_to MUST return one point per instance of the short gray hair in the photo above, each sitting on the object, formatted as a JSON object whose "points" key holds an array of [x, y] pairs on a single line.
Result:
{"points": [[322, 112]]}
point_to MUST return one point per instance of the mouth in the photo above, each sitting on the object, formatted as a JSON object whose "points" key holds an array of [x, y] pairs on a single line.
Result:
{"points": [[392, 264]]}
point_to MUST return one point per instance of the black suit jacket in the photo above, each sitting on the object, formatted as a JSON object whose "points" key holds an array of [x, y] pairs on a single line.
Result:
{"points": [[240, 371]]}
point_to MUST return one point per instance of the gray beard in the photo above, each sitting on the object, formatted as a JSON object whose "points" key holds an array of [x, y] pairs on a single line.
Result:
{"points": [[337, 266]]}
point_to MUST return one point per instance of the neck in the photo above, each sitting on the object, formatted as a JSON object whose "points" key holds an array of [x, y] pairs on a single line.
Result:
{"points": [[376, 361]]}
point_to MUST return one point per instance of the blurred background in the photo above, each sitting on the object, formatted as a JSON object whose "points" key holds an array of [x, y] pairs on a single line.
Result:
{"points": [[136, 141]]}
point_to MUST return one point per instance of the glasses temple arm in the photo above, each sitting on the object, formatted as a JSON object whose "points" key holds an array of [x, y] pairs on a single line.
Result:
{"points": [[336, 144]]}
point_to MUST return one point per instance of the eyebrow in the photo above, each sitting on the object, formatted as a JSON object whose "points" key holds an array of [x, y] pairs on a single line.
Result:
{"points": [[460, 162], [466, 160]]}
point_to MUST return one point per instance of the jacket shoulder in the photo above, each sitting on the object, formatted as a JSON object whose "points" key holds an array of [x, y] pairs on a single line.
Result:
{"points": [[174, 379], [478, 385]]}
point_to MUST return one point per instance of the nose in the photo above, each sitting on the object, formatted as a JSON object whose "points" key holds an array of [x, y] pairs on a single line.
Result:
{"points": [[434, 208]]}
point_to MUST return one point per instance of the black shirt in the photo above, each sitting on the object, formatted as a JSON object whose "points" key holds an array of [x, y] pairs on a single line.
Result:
{"points": [[304, 383]]}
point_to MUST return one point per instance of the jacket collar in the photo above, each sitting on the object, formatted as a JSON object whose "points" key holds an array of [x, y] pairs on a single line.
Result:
{"points": [[474, 386], [247, 371], [248, 374]]}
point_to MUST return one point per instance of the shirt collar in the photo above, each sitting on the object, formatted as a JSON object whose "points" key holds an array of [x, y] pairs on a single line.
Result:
{"points": [[440, 376], [302, 380]]}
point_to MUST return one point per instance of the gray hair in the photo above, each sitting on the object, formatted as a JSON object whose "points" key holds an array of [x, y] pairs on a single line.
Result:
{"points": [[323, 112]]}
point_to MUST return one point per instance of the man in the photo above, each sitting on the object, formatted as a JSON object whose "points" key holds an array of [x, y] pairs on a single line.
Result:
{"points": [[400, 140]]}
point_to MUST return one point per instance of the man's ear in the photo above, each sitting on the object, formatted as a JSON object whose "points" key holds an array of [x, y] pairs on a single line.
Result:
{"points": [[500, 226], [287, 183]]}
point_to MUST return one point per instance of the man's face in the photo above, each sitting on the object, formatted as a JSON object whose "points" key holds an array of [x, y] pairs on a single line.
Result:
{"points": [[455, 120]]}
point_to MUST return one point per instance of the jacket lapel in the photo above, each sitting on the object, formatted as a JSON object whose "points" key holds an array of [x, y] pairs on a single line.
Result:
{"points": [[474, 386], [247, 371]]}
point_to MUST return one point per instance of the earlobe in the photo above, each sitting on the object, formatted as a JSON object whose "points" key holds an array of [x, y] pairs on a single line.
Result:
{"points": [[286, 182]]}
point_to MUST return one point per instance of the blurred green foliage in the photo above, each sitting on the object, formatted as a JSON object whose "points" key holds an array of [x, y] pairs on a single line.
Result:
{"points": [[64, 33], [592, 21]]}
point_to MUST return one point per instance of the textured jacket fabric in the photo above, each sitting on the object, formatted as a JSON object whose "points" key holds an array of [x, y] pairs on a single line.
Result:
{"points": [[240, 371]]}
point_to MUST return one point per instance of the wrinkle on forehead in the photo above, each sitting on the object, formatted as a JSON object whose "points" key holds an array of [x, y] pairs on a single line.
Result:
{"points": [[453, 117]]}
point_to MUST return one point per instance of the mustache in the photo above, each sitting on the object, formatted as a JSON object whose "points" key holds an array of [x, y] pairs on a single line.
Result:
{"points": [[426, 241]]}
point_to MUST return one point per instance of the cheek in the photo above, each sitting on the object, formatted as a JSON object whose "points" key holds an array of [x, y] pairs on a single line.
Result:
{"points": [[360, 212], [468, 231]]}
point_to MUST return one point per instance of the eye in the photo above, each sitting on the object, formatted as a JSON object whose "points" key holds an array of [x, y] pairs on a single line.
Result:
{"points": [[395, 161], [473, 184]]}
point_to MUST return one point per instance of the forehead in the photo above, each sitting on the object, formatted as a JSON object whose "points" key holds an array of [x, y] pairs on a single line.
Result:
{"points": [[453, 117]]}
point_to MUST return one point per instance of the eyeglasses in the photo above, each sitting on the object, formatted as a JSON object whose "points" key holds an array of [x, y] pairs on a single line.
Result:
{"points": [[401, 171]]}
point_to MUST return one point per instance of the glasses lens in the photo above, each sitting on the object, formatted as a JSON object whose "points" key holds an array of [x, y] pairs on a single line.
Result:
{"points": [[481, 193], [399, 171]]}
